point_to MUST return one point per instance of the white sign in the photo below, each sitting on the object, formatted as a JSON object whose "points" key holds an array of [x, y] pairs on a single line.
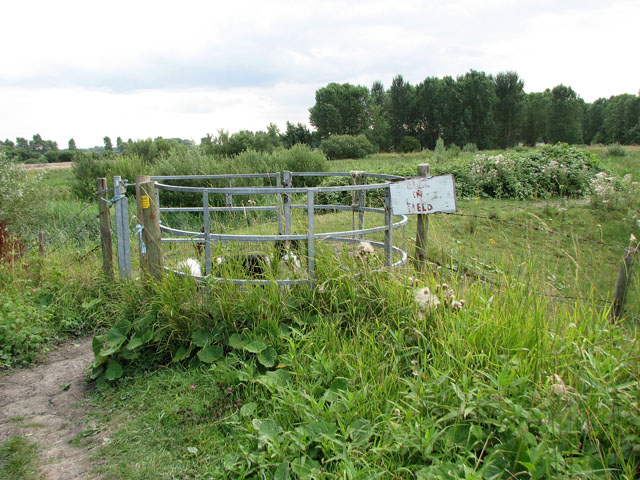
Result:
{"points": [[424, 195]]}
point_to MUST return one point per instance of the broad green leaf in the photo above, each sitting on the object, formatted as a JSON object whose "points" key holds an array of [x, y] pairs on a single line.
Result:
{"points": [[128, 354], [114, 370], [201, 338], [236, 341], [210, 353], [97, 343], [268, 357], [256, 346], [182, 353], [115, 339], [276, 378], [318, 431], [99, 360], [123, 325], [135, 341], [282, 472], [305, 467], [248, 409], [268, 430]]}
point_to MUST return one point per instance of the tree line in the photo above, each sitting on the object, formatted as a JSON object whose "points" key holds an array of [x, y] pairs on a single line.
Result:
{"points": [[475, 108]]}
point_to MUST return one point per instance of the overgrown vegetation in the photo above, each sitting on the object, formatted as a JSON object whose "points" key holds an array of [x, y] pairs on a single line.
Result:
{"points": [[352, 378]]}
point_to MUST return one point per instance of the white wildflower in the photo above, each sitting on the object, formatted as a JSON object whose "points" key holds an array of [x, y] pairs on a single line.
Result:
{"points": [[425, 299]]}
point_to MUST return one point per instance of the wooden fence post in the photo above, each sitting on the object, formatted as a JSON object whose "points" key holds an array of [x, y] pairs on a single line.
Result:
{"points": [[622, 284], [41, 248], [144, 257], [151, 233], [423, 228], [105, 227]]}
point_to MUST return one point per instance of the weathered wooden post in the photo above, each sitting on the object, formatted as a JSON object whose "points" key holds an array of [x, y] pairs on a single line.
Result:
{"points": [[151, 233], [422, 229], [41, 248], [144, 257], [623, 281], [105, 227]]}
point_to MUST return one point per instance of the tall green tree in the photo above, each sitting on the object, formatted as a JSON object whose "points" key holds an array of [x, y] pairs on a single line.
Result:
{"points": [[509, 108], [477, 90], [536, 114], [621, 115], [565, 116], [379, 131], [294, 134], [340, 109], [72, 144], [402, 110], [108, 146], [593, 125]]}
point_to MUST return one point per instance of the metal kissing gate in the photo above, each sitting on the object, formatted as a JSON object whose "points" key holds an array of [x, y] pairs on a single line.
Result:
{"points": [[286, 195]]}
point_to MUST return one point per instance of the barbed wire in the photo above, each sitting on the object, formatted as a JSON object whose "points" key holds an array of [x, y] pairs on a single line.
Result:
{"points": [[541, 229], [599, 303]]}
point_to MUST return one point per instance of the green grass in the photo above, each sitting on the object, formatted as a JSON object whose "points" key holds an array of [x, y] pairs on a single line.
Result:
{"points": [[529, 380], [18, 460]]}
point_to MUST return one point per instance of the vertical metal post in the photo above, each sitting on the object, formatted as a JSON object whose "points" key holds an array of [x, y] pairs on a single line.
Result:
{"points": [[207, 233], [122, 227], [388, 233], [422, 229], [286, 202], [311, 252], [358, 179], [279, 201], [228, 198]]}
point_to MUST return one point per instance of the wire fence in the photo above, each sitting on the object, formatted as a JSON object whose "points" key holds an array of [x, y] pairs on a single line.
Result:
{"points": [[603, 258]]}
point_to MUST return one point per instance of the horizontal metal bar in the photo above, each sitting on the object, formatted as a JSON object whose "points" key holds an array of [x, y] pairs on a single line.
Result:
{"points": [[269, 190], [383, 176], [214, 177], [220, 209], [228, 237]]}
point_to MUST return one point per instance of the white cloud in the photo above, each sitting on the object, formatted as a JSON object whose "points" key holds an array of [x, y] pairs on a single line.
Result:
{"points": [[148, 68]]}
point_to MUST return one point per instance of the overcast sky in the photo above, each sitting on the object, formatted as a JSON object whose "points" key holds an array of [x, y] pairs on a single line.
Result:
{"points": [[138, 69]]}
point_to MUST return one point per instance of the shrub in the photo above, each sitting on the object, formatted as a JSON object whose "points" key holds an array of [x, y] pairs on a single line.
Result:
{"points": [[409, 144], [300, 158], [470, 147], [453, 151], [18, 199], [346, 146], [615, 150], [87, 167], [440, 149]]}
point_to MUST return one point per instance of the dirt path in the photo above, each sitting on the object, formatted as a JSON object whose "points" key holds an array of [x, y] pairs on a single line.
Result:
{"points": [[45, 405]]}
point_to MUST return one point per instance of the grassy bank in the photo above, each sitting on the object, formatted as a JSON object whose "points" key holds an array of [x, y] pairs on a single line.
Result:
{"points": [[353, 379]]}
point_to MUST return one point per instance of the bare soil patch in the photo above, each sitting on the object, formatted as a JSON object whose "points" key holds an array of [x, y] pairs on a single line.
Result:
{"points": [[45, 404]]}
